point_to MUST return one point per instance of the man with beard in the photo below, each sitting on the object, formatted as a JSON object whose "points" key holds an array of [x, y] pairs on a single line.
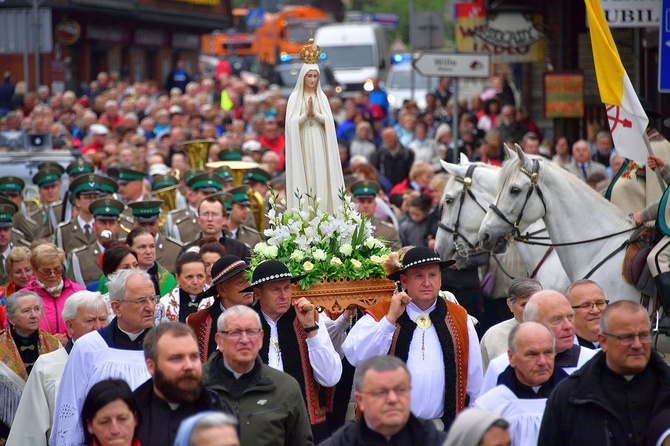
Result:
{"points": [[175, 390]]}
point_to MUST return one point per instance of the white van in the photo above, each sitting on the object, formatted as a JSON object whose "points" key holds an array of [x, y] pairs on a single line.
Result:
{"points": [[358, 52]]}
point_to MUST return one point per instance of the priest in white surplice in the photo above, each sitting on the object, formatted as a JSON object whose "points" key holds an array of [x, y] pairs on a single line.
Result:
{"points": [[112, 352], [523, 387], [552, 309]]}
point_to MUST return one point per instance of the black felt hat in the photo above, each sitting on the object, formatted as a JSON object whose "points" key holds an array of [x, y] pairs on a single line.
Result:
{"points": [[420, 256], [224, 269], [271, 271]]}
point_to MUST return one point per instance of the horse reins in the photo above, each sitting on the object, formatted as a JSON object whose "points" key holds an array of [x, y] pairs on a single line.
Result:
{"points": [[467, 182]]}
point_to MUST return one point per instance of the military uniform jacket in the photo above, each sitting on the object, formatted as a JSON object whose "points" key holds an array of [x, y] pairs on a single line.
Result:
{"points": [[386, 231], [167, 251], [40, 224], [84, 264], [17, 240], [248, 236], [186, 228], [70, 236]]}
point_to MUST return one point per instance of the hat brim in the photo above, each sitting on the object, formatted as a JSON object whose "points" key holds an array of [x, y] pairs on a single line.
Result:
{"points": [[147, 218], [107, 217], [6, 224], [253, 285], [443, 264], [49, 183], [211, 291]]}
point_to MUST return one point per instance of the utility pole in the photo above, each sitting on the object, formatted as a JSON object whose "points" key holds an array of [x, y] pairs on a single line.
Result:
{"points": [[36, 40]]}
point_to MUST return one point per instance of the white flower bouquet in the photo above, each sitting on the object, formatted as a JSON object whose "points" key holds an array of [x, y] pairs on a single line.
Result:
{"points": [[322, 246]]}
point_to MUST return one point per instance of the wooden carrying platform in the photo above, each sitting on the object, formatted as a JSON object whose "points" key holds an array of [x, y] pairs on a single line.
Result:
{"points": [[335, 295]]}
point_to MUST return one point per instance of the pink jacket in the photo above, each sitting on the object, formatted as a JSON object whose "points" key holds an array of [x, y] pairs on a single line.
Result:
{"points": [[52, 319]]}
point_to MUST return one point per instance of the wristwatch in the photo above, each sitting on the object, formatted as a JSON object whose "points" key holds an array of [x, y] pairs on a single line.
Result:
{"points": [[312, 328]]}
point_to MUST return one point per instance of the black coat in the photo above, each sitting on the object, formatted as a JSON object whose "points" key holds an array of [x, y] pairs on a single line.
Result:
{"points": [[417, 432], [578, 413], [159, 423]]}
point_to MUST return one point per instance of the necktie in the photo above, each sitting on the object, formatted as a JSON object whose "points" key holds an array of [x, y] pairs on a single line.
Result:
{"points": [[87, 229], [2, 265], [584, 169]]}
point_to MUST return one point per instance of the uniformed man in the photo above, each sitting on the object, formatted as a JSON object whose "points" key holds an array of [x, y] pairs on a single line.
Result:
{"points": [[212, 219], [108, 187], [365, 192], [227, 175], [85, 261], [146, 214], [9, 237], [257, 179], [41, 222], [191, 207], [241, 209], [131, 185], [203, 185], [78, 232], [12, 187], [78, 167]]}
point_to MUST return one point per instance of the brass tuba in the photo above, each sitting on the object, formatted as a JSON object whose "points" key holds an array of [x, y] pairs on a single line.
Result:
{"points": [[197, 151], [169, 197], [31, 199], [257, 209]]}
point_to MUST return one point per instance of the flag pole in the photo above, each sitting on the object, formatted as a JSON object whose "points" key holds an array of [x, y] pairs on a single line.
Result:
{"points": [[647, 143]]}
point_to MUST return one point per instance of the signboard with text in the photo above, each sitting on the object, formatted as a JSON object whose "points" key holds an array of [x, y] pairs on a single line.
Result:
{"points": [[453, 64], [664, 49], [632, 13], [563, 95]]}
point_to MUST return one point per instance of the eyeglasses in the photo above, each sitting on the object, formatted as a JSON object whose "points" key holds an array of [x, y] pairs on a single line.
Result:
{"points": [[47, 272], [629, 339], [384, 393], [237, 334], [209, 215], [143, 300], [599, 304]]}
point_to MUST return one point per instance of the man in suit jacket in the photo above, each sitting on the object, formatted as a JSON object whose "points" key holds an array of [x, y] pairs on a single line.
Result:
{"points": [[581, 164]]}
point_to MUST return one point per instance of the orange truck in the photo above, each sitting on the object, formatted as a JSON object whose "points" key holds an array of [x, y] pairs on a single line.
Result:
{"points": [[238, 40], [284, 32]]}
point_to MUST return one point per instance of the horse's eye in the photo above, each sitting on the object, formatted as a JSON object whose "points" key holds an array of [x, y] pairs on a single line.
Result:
{"points": [[448, 201], [514, 190]]}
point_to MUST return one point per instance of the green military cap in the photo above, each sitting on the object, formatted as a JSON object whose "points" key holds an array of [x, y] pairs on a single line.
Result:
{"points": [[240, 196], [107, 185], [225, 173], [230, 155], [225, 198], [106, 209], [146, 211], [7, 210], [207, 182], [365, 189], [88, 183], [11, 185], [126, 174], [191, 173], [80, 167], [52, 165], [257, 175], [47, 176], [159, 182]]}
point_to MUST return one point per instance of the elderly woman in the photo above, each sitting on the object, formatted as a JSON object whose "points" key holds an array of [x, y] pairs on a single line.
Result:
{"points": [[20, 346], [52, 287], [20, 272]]}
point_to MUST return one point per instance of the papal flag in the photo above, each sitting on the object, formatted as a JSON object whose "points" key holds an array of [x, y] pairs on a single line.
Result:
{"points": [[627, 119]]}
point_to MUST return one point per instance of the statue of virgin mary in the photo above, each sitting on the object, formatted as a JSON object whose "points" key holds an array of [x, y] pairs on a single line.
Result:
{"points": [[312, 156]]}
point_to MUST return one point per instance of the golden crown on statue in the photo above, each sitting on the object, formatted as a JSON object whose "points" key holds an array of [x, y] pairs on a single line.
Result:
{"points": [[311, 52]]}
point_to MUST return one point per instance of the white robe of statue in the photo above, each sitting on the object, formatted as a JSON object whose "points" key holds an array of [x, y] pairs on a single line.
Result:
{"points": [[312, 156]]}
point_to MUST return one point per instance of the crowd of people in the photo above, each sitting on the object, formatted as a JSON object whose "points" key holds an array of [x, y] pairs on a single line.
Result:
{"points": [[130, 322]]}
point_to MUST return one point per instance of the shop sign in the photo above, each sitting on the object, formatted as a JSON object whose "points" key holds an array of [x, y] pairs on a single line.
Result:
{"points": [[147, 37], [184, 41], [632, 13], [507, 37], [67, 32], [106, 33]]}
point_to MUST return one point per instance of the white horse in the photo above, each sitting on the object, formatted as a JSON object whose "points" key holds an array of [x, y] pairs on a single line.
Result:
{"points": [[463, 209], [532, 188]]}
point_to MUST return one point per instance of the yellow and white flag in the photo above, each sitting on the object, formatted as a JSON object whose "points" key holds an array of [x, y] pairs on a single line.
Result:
{"points": [[627, 119]]}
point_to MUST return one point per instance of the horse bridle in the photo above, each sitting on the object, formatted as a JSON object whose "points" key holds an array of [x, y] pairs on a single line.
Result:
{"points": [[467, 182], [534, 176]]}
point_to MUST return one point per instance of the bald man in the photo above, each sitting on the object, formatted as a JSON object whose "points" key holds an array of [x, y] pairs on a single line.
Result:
{"points": [[552, 309]]}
